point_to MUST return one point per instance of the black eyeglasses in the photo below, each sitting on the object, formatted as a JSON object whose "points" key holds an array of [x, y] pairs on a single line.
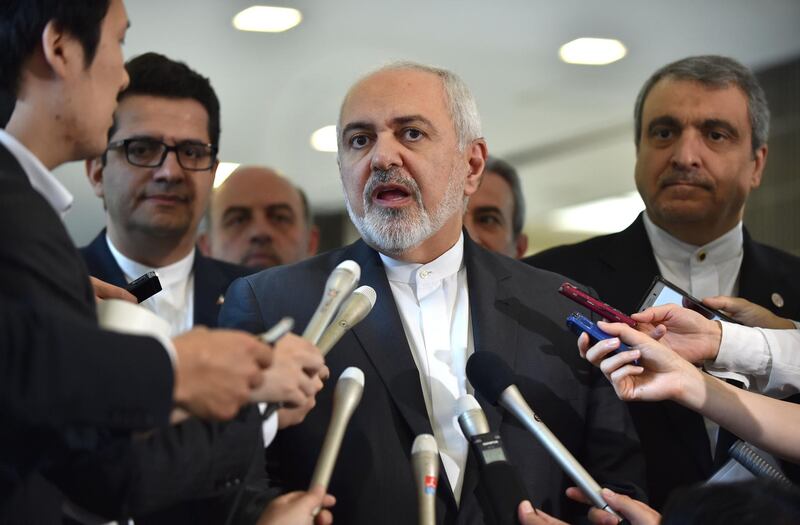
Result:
{"points": [[150, 153]]}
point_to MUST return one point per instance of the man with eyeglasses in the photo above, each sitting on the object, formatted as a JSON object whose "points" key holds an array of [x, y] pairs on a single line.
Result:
{"points": [[155, 178]]}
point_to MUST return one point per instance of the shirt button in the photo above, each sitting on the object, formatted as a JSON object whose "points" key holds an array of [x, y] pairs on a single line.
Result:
{"points": [[424, 274], [701, 256]]}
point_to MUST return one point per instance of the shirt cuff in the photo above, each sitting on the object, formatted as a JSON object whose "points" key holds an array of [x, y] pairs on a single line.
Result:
{"points": [[269, 428], [742, 353]]}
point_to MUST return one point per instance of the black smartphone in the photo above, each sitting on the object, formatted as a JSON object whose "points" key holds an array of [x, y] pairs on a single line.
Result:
{"points": [[145, 286], [664, 292]]}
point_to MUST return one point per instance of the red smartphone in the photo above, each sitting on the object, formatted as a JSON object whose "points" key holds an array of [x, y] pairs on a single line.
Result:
{"points": [[597, 306]]}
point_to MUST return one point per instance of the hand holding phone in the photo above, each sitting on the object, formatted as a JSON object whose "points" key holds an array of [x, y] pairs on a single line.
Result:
{"points": [[579, 323]]}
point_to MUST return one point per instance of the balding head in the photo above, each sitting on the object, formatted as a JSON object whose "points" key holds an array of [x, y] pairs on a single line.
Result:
{"points": [[258, 218]]}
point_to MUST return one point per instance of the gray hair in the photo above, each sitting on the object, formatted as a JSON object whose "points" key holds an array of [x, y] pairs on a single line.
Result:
{"points": [[459, 100], [717, 72], [509, 174]]}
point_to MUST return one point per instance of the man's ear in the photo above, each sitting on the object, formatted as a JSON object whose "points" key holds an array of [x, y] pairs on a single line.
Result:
{"points": [[62, 51], [94, 172], [521, 245], [477, 153], [760, 160], [203, 244], [313, 240]]}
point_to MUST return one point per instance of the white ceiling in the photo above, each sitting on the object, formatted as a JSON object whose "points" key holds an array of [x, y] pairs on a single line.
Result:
{"points": [[572, 124]]}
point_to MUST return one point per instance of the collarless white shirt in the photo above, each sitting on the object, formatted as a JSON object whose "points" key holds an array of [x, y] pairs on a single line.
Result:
{"points": [[175, 302], [703, 271], [42, 180], [433, 302]]}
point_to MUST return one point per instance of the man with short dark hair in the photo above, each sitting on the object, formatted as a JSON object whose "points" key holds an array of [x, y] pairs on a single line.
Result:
{"points": [[410, 155], [496, 212], [259, 219], [701, 141]]}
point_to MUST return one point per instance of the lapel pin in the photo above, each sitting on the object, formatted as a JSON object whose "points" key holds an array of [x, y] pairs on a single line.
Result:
{"points": [[221, 299], [777, 300]]}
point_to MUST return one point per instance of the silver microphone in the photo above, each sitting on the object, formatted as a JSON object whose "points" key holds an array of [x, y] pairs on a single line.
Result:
{"points": [[425, 462], [352, 312], [340, 283], [471, 418], [346, 397]]}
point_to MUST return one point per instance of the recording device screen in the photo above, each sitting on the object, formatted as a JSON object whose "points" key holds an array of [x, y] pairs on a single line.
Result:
{"points": [[664, 292]]}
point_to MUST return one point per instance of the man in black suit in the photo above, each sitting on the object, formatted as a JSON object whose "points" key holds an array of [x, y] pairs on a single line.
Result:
{"points": [[701, 138], [69, 389], [410, 155]]}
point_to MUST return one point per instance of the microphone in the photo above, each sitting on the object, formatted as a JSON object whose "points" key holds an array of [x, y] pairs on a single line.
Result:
{"points": [[346, 397], [425, 462], [341, 282], [352, 312], [499, 478], [493, 378]]}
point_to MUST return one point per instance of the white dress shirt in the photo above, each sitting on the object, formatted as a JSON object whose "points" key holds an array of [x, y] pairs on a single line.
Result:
{"points": [[39, 176], [768, 359], [702, 271], [433, 302]]}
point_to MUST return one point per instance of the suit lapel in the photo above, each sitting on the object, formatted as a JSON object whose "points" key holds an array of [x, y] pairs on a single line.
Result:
{"points": [[101, 262], [760, 281], [209, 286]]}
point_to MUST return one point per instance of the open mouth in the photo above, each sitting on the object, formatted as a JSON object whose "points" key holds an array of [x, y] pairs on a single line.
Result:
{"points": [[391, 195]]}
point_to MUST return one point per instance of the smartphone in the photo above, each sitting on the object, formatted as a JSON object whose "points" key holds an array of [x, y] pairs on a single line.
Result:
{"points": [[580, 323], [597, 306], [145, 286], [664, 292]]}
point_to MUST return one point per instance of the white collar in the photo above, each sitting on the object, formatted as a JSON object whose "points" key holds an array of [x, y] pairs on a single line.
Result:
{"points": [[167, 275], [42, 180], [447, 264], [666, 246]]}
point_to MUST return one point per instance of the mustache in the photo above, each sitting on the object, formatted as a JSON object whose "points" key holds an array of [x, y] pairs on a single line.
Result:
{"points": [[176, 189], [692, 177], [390, 176]]}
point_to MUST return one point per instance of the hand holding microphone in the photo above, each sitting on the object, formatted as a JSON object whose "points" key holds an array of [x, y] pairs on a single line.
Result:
{"points": [[425, 463], [293, 376]]}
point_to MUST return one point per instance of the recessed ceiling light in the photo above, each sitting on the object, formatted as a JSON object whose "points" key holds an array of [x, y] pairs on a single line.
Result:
{"points": [[607, 215], [592, 51], [223, 172], [267, 19], [324, 139]]}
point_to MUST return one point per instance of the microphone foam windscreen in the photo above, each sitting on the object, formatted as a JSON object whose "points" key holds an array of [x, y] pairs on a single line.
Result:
{"points": [[489, 375]]}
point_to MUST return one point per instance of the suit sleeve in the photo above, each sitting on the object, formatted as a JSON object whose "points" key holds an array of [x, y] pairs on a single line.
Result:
{"points": [[56, 372], [241, 309]]}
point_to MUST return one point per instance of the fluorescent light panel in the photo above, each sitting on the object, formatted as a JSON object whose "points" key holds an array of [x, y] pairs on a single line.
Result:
{"points": [[267, 19], [324, 139], [607, 215], [223, 172], [592, 51]]}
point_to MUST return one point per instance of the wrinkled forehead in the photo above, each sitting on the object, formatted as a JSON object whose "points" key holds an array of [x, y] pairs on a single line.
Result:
{"points": [[257, 189]]}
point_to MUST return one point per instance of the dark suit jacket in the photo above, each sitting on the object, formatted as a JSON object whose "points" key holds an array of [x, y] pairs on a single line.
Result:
{"points": [[516, 313], [620, 267], [62, 380], [199, 464]]}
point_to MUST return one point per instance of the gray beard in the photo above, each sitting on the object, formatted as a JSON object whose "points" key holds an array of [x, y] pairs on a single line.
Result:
{"points": [[394, 231]]}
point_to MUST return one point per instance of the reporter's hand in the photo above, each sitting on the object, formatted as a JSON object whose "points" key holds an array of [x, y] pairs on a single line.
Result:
{"points": [[293, 376], [661, 373], [747, 313], [685, 331], [297, 508], [216, 370], [290, 416], [104, 290], [527, 515], [636, 512]]}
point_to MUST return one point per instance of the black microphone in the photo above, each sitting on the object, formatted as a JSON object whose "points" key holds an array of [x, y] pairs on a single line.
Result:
{"points": [[493, 378], [499, 478]]}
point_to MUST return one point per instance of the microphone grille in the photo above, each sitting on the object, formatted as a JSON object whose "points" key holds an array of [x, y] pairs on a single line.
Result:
{"points": [[352, 267], [489, 374], [354, 373], [368, 292], [424, 443]]}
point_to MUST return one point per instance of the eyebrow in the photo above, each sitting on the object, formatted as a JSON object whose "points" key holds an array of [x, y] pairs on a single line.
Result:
{"points": [[720, 123], [230, 210], [664, 120], [488, 209], [397, 121]]}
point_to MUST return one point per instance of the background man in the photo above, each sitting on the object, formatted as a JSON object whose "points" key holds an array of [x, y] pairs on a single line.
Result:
{"points": [[259, 219], [410, 155], [496, 212], [701, 142], [155, 179], [65, 383]]}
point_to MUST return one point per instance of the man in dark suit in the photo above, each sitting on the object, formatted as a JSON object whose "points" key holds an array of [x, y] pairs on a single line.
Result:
{"points": [[701, 131], [70, 389], [410, 155]]}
